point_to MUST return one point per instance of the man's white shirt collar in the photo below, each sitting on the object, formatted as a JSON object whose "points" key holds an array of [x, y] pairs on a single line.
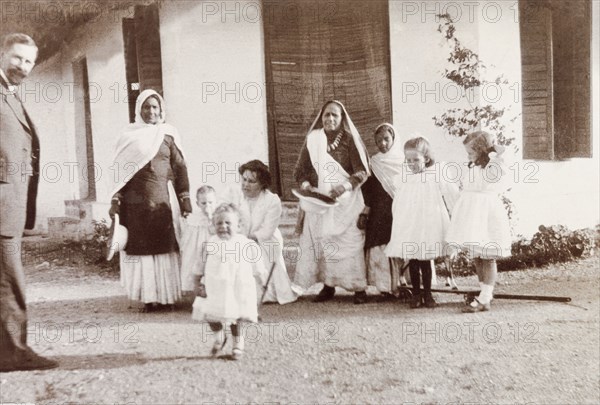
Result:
{"points": [[11, 87]]}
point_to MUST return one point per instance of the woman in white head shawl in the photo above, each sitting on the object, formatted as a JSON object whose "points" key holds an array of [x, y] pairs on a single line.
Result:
{"points": [[378, 192], [335, 162], [147, 157]]}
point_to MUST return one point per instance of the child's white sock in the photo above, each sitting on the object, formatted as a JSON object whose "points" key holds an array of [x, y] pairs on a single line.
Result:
{"points": [[219, 337], [238, 342], [487, 293]]}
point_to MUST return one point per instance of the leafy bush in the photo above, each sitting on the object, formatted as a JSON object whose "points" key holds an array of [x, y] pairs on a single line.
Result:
{"points": [[95, 248], [91, 251], [467, 71], [551, 244], [86, 254]]}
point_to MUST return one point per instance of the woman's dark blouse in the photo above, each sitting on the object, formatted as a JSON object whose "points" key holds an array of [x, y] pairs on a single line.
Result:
{"points": [[145, 207], [345, 154], [379, 223]]}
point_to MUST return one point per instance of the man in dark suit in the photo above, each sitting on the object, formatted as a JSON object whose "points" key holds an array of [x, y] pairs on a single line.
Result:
{"points": [[19, 169]]}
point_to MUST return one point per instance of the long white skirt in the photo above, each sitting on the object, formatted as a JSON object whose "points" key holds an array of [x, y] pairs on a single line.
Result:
{"points": [[381, 271], [280, 288], [336, 260], [151, 278]]}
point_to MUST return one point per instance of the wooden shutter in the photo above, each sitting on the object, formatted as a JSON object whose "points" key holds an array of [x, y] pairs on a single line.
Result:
{"points": [[148, 47], [571, 39], [537, 80], [131, 65]]}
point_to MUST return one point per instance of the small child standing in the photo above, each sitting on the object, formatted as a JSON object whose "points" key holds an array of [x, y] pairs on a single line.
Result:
{"points": [[197, 229], [421, 218], [479, 220], [230, 263]]}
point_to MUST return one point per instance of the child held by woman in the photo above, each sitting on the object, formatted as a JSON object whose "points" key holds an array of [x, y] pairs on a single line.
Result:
{"points": [[196, 230]]}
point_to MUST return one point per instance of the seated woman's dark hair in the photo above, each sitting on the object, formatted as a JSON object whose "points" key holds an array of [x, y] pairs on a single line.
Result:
{"points": [[263, 175]]}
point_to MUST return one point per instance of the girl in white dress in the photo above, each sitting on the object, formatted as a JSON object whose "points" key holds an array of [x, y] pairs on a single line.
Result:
{"points": [[420, 216], [197, 228], [230, 263], [479, 220]]}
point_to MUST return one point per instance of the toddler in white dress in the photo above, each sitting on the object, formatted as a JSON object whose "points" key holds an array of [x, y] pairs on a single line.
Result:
{"points": [[225, 282]]}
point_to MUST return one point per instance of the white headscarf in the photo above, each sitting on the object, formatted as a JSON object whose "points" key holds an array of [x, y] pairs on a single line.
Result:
{"points": [[140, 142], [349, 127], [336, 219], [388, 165]]}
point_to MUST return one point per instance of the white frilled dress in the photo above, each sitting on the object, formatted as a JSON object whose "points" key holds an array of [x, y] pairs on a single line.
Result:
{"points": [[479, 220], [420, 214], [196, 229], [232, 269], [260, 217]]}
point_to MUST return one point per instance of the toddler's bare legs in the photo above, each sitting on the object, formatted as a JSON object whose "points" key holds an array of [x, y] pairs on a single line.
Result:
{"points": [[238, 340], [220, 338]]}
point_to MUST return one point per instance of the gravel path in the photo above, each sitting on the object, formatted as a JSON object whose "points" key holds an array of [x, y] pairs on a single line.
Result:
{"points": [[382, 352]]}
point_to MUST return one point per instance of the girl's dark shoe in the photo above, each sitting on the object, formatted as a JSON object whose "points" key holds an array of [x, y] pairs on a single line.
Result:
{"points": [[415, 301], [478, 308], [386, 296], [326, 294], [430, 302], [360, 297], [148, 308]]}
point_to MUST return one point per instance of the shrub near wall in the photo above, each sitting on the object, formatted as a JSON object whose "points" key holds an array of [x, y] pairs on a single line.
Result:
{"points": [[551, 244]]}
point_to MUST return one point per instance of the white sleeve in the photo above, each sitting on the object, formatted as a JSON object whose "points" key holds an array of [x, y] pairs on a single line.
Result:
{"points": [[270, 221]]}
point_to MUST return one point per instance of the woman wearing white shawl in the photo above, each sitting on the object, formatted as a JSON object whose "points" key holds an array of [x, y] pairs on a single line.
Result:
{"points": [[378, 192], [333, 161], [147, 158]]}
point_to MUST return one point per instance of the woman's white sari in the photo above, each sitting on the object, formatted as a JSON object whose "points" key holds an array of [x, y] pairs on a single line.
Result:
{"points": [[331, 245]]}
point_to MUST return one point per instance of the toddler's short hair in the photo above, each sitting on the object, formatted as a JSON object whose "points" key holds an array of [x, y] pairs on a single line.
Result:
{"points": [[205, 189], [226, 207]]}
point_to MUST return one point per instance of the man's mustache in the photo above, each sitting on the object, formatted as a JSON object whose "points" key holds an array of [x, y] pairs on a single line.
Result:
{"points": [[16, 72]]}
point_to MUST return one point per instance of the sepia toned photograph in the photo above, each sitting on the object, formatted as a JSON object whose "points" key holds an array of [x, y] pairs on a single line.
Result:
{"points": [[299, 202]]}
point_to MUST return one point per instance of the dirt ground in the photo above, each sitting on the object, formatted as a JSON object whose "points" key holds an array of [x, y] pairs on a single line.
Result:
{"points": [[521, 352]]}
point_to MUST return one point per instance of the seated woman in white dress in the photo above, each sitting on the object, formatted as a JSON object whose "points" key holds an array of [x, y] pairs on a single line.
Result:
{"points": [[261, 213]]}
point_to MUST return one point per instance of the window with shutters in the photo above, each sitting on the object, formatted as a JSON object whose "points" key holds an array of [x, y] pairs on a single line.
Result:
{"points": [[143, 62], [84, 143], [556, 83]]}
